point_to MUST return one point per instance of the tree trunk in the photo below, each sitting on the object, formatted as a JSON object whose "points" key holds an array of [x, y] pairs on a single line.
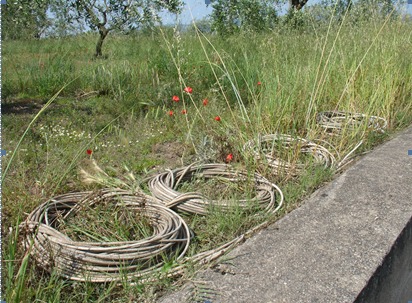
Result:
{"points": [[297, 4], [103, 33]]}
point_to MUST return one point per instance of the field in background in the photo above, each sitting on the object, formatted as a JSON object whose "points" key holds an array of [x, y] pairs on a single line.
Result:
{"points": [[121, 108]]}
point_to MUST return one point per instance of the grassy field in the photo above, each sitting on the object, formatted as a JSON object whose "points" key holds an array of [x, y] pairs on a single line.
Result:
{"points": [[121, 110]]}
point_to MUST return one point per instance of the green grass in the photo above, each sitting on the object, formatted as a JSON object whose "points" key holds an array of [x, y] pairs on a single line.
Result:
{"points": [[93, 224], [119, 108]]}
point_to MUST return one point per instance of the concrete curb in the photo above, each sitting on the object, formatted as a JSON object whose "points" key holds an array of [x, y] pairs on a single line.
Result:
{"points": [[351, 241]]}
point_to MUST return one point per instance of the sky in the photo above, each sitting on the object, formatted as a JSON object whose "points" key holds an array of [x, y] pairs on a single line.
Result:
{"points": [[197, 9]]}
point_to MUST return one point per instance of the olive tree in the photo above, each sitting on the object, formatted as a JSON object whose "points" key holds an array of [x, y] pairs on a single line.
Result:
{"points": [[24, 19], [108, 15], [229, 16]]}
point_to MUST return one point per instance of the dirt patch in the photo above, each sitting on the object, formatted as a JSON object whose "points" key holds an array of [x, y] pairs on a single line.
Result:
{"points": [[172, 154], [21, 106], [30, 106]]}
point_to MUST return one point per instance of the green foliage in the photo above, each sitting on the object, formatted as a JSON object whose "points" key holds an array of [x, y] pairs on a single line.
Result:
{"points": [[231, 16], [362, 11], [24, 19], [295, 20], [353, 12], [120, 15]]}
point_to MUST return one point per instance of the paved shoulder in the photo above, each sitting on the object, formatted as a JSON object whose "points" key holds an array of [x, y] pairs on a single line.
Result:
{"points": [[333, 246]]}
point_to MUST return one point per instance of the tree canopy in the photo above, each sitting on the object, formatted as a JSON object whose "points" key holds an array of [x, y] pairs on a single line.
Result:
{"points": [[24, 19], [108, 15], [230, 16]]}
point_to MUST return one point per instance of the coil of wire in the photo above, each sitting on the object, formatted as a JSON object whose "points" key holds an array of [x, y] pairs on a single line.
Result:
{"points": [[339, 120], [268, 146], [104, 261], [164, 186]]}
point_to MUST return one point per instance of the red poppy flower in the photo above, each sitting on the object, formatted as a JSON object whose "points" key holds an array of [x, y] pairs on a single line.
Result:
{"points": [[184, 112], [188, 90], [217, 118], [229, 158], [89, 151], [205, 102], [175, 98], [259, 83], [170, 113]]}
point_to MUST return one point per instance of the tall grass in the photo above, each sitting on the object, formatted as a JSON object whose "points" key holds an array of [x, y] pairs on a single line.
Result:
{"points": [[119, 108]]}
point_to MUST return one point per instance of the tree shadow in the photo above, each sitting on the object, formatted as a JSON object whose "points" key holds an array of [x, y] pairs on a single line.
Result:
{"points": [[22, 106]]}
